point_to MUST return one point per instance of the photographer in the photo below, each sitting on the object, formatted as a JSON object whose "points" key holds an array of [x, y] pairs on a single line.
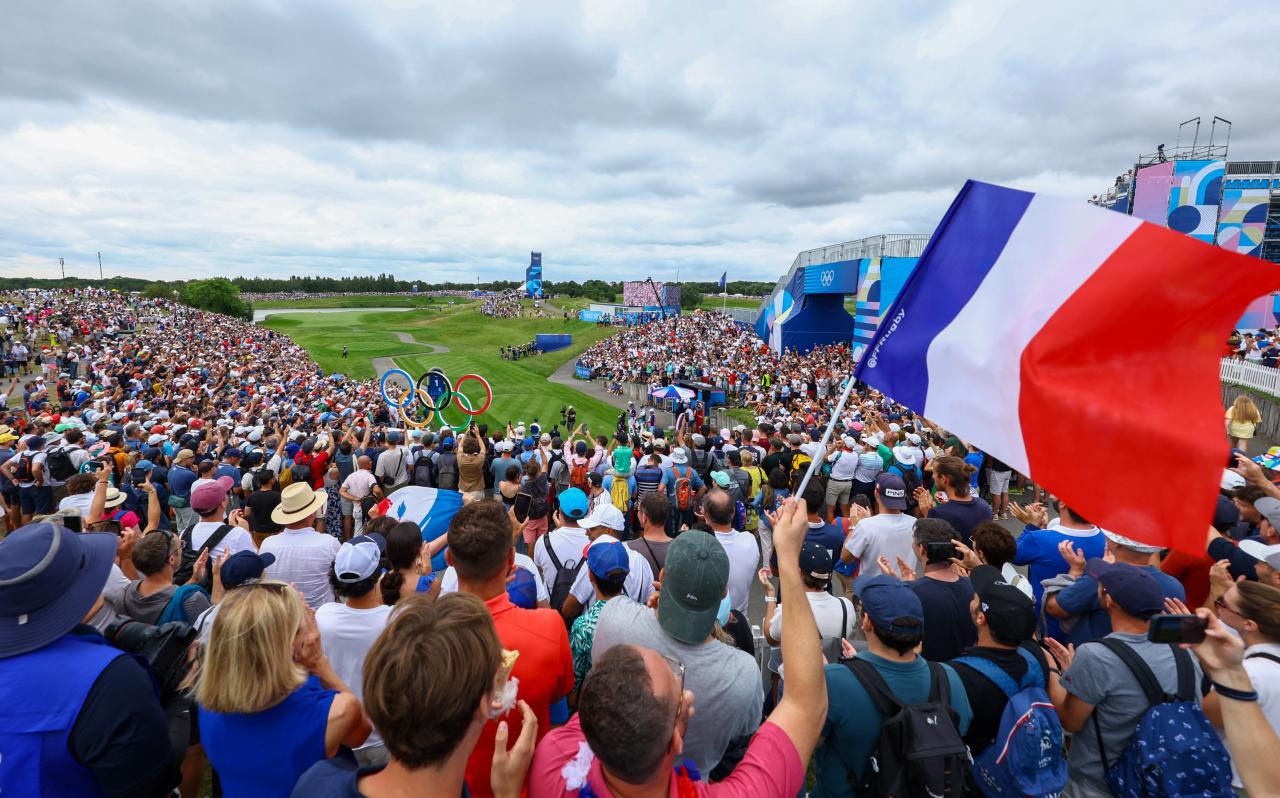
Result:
{"points": [[944, 594], [77, 716]]}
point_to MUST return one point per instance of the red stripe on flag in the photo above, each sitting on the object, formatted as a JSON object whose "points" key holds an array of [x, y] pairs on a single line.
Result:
{"points": [[1120, 405]]}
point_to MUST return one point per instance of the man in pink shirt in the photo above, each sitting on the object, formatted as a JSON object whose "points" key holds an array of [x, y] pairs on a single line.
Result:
{"points": [[633, 710]]}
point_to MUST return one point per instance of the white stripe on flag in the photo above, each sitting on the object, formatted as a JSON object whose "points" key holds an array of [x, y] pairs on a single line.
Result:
{"points": [[975, 362]]}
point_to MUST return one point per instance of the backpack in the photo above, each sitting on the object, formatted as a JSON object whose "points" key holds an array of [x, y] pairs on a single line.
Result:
{"points": [[620, 494], [174, 610], [447, 471], [920, 751], [424, 472], [578, 475], [565, 577], [538, 505], [190, 554], [701, 463], [684, 490], [1025, 758], [59, 464], [23, 471], [799, 465], [562, 479], [1174, 751]]}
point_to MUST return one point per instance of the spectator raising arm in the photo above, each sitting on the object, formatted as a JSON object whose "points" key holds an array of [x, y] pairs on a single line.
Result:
{"points": [[804, 703]]}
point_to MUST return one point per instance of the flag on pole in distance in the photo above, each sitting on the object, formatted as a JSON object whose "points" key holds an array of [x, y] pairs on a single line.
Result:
{"points": [[1079, 345], [724, 280], [432, 509]]}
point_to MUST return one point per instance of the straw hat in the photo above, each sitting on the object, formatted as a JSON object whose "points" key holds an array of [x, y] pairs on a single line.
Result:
{"points": [[298, 502], [115, 497]]}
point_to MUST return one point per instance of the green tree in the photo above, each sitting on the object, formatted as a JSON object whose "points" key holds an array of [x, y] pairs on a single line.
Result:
{"points": [[689, 298], [158, 291], [219, 295]]}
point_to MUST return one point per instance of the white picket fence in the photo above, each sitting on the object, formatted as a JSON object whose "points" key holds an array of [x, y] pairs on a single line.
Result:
{"points": [[1251, 375]]}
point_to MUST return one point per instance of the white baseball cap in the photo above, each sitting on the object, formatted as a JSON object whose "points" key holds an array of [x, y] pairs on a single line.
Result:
{"points": [[1261, 551], [605, 515], [356, 561]]}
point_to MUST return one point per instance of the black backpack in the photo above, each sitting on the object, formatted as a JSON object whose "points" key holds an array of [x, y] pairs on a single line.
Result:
{"points": [[920, 751], [447, 471], [424, 471], [565, 577], [539, 505], [701, 463], [190, 554], [59, 464], [24, 471]]}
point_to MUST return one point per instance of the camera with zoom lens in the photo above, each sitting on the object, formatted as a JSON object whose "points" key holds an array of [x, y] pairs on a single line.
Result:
{"points": [[165, 648]]}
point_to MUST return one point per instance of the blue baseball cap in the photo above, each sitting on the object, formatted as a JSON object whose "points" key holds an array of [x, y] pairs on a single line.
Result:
{"points": [[231, 451], [608, 560], [522, 590], [244, 566], [573, 503], [888, 601], [1132, 587], [528, 443], [145, 465]]}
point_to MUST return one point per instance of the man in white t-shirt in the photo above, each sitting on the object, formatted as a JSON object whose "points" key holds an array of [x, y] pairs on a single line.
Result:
{"points": [[209, 501], [567, 541], [886, 534], [349, 629], [303, 555], [744, 555], [358, 484], [600, 525], [835, 615]]}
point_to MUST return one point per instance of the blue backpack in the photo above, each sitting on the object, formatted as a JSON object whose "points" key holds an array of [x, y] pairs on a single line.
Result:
{"points": [[1174, 751], [174, 610], [1025, 758]]}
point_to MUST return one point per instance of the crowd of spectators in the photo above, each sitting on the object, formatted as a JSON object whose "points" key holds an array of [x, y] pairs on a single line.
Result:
{"points": [[196, 492], [503, 305]]}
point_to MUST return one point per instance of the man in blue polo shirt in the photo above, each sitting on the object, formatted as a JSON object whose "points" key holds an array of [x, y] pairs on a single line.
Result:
{"points": [[893, 621]]}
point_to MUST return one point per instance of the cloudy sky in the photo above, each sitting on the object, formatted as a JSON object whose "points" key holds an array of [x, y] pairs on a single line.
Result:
{"points": [[621, 139]]}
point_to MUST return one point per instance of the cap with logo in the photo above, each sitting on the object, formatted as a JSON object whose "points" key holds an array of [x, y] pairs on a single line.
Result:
{"points": [[893, 491], [696, 574]]}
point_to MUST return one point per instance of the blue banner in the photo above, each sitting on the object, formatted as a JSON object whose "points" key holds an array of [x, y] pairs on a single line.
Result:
{"points": [[832, 278], [581, 372]]}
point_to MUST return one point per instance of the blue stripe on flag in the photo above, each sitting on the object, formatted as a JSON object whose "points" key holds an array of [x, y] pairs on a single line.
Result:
{"points": [[961, 252]]}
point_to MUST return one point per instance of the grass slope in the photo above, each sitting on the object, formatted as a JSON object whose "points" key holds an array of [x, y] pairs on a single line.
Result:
{"points": [[521, 390]]}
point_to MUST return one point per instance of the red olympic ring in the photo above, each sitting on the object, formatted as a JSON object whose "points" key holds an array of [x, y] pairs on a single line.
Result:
{"points": [[488, 392]]}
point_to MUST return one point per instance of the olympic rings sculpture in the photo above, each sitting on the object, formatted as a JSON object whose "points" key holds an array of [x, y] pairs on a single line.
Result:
{"points": [[426, 395]]}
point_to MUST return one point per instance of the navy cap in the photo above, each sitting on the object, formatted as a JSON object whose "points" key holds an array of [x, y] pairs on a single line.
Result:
{"points": [[887, 601], [573, 503], [609, 560], [815, 560], [893, 491], [1130, 586], [243, 566], [372, 537], [231, 451]]}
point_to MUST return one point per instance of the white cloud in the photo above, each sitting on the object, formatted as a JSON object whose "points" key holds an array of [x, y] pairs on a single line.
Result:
{"points": [[620, 139]]}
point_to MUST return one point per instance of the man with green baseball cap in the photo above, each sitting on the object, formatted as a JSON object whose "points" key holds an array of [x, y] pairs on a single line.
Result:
{"points": [[726, 680]]}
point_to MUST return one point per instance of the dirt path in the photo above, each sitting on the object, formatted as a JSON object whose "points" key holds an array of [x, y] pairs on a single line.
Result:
{"points": [[384, 364]]}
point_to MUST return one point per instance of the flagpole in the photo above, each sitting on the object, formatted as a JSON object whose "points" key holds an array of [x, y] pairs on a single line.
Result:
{"points": [[816, 463]]}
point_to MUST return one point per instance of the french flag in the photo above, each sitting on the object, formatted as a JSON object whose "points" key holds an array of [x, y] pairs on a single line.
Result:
{"points": [[1078, 345]]}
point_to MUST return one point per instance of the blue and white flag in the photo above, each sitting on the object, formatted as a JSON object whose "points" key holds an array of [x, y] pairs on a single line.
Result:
{"points": [[724, 280], [432, 509]]}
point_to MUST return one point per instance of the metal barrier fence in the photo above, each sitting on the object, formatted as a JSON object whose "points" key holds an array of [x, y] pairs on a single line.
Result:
{"points": [[892, 245], [1251, 375]]}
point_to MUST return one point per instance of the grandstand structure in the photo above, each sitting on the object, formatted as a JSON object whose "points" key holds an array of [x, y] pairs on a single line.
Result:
{"points": [[808, 307], [1197, 190]]}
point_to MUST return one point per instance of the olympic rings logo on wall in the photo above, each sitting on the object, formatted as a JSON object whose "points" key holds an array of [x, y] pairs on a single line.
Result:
{"points": [[430, 395]]}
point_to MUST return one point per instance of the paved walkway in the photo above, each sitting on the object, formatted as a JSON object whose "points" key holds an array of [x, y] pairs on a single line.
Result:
{"points": [[384, 364]]}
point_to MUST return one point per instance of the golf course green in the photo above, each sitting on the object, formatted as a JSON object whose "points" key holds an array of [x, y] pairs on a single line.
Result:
{"points": [[521, 391]]}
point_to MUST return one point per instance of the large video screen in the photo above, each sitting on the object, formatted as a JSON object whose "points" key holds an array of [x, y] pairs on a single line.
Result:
{"points": [[1151, 197]]}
